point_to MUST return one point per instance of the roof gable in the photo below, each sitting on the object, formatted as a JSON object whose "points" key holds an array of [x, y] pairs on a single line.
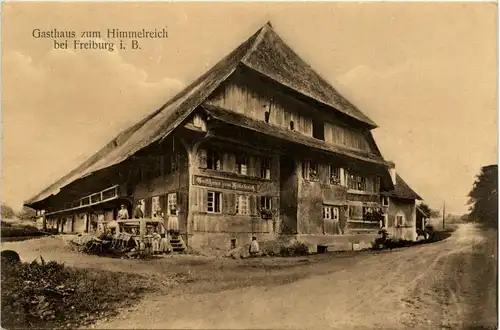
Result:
{"points": [[402, 190], [272, 57]]}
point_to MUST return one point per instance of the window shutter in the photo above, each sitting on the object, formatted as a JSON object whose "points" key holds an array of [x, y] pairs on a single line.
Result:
{"points": [[231, 198], [163, 203], [178, 197], [147, 207], [226, 166], [251, 166], [202, 158], [253, 205], [275, 204], [256, 166], [226, 204], [203, 200]]}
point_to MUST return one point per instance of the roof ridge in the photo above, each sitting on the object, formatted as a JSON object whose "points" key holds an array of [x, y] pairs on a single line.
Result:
{"points": [[260, 36]]}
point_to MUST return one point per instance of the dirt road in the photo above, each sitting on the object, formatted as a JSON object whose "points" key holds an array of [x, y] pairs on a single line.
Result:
{"points": [[449, 284]]}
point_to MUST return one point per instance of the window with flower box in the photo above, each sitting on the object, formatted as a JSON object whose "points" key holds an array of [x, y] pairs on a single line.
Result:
{"points": [[310, 170], [333, 175]]}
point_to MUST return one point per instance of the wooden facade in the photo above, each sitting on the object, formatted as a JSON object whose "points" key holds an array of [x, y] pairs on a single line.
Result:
{"points": [[253, 157]]}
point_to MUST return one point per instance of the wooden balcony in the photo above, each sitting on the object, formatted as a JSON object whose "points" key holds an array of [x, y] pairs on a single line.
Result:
{"points": [[103, 196]]}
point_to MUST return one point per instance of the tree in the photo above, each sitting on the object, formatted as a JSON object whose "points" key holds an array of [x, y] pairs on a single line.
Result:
{"points": [[27, 214], [428, 211], [6, 211], [484, 197]]}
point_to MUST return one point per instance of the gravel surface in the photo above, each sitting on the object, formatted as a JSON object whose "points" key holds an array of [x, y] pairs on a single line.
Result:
{"points": [[445, 285]]}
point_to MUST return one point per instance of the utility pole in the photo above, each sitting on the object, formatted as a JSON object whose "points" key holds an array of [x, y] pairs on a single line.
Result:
{"points": [[444, 212]]}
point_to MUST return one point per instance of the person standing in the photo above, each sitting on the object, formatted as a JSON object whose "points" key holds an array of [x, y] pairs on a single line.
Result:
{"points": [[138, 214], [123, 213], [254, 247]]}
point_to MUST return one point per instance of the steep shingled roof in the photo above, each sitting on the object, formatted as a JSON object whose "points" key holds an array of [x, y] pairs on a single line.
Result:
{"points": [[264, 52], [402, 190]]}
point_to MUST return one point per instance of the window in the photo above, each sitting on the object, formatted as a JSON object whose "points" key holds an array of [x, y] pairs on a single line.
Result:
{"points": [[356, 182], [155, 207], [330, 212], [291, 125], [372, 214], [385, 201], [265, 168], [242, 205], [265, 203], [172, 203], [333, 174], [213, 160], [361, 183], [399, 220], [310, 170], [242, 162], [214, 201]]}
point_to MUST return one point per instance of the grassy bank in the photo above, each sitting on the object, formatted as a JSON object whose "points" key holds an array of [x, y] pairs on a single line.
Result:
{"points": [[50, 295]]}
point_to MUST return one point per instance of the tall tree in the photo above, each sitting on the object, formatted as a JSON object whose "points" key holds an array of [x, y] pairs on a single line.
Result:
{"points": [[27, 214], [428, 211], [6, 211], [484, 197]]}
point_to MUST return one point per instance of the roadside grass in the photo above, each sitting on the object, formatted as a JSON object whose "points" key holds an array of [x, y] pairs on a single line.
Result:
{"points": [[16, 230], [50, 295], [390, 243]]}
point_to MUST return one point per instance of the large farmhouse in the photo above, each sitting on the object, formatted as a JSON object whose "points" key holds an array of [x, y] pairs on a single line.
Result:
{"points": [[258, 145]]}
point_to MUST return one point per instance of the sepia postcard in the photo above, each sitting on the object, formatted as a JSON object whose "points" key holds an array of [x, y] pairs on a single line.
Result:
{"points": [[249, 165]]}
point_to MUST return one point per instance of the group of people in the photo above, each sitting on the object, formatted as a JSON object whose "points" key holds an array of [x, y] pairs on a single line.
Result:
{"points": [[172, 221], [123, 212]]}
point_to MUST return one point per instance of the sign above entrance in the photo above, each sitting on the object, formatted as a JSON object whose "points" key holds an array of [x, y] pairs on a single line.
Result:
{"points": [[223, 184]]}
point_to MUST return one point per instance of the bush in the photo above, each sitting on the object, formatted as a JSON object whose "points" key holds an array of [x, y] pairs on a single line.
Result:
{"points": [[429, 232], [294, 250], [14, 231], [51, 295]]}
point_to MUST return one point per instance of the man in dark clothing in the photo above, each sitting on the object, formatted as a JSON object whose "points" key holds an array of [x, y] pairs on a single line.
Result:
{"points": [[138, 214]]}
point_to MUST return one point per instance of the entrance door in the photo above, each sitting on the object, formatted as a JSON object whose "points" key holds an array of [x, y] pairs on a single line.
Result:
{"points": [[331, 218]]}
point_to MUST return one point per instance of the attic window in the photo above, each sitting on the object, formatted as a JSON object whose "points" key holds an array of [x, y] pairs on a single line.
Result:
{"points": [[319, 130], [266, 116], [291, 125]]}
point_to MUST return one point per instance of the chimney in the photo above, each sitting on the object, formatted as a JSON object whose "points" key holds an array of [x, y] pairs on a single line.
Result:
{"points": [[392, 172]]}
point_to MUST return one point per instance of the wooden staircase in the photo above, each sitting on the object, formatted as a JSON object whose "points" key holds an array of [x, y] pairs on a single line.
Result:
{"points": [[177, 243]]}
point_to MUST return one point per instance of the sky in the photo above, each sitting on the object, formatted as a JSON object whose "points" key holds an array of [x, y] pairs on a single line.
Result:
{"points": [[426, 73]]}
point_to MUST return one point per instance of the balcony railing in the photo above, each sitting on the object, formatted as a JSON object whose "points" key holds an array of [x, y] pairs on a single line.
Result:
{"points": [[102, 196]]}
